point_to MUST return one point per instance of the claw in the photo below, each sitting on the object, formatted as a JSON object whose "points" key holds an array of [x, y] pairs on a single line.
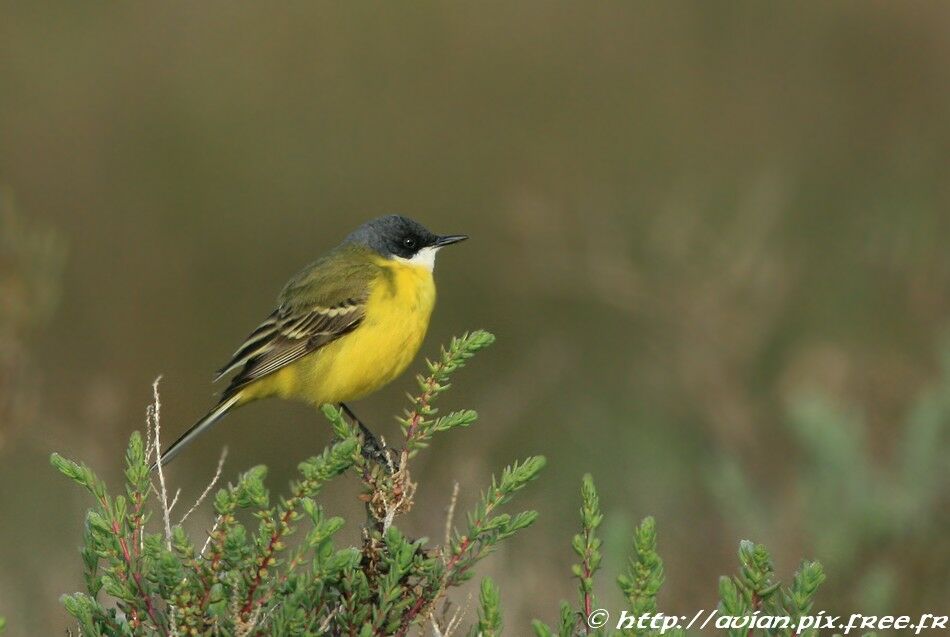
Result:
{"points": [[372, 449]]}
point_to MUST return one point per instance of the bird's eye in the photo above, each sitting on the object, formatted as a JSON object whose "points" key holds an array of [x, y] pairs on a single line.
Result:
{"points": [[409, 242]]}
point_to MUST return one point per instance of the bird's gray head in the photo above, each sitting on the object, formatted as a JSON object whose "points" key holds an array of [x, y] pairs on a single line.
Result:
{"points": [[397, 237]]}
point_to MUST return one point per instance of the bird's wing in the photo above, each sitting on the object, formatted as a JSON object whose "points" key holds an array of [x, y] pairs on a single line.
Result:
{"points": [[319, 305]]}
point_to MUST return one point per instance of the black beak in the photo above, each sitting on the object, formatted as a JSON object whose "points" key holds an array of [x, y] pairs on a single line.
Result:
{"points": [[449, 239]]}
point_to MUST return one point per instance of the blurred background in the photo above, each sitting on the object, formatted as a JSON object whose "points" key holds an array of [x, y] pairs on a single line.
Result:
{"points": [[711, 240]]}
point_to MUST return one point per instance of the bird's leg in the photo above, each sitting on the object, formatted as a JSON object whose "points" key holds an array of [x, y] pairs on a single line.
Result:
{"points": [[370, 442], [372, 448]]}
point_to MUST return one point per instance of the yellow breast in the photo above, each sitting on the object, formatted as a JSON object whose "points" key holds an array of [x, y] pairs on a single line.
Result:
{"points": [[397, 317]]}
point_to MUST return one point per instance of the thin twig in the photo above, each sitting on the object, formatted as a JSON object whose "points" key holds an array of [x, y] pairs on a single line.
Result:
{"points": [[449, 519], [325, 624], [204, 494], [392, 508], [458, 616], [453, 622], [171, 505], [214, 527], [156, 413], [174, 500], [436, 632], [149, 445], [157, 426]]}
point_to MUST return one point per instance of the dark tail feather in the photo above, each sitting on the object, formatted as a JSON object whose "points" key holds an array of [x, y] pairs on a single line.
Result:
{"points": [[213, 416]]}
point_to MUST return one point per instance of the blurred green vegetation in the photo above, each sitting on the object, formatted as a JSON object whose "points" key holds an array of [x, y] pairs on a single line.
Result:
{"points": [[31, 262], [701, 233]]}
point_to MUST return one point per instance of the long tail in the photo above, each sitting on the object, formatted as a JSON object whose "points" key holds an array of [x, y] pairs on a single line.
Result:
{"points": [[212, 417]]}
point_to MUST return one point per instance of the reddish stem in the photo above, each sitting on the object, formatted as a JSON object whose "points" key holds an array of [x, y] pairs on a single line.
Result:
{"points": [[416, 418], [756, 605], [588, 602], [265, 558], [137, 578], [588, 575], [424, 600]]}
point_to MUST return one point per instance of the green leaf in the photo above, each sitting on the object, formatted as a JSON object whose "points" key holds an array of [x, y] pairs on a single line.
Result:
{"points": [[644, 576], [251, 491], [136, 467], [586, 544], [489, 611], [730, 601], [334, 415], [568, 621], [455, 419], [79, 473], [799, 599]]}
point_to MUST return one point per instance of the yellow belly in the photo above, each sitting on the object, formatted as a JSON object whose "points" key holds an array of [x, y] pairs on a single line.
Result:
{"points": [[372, 355]]}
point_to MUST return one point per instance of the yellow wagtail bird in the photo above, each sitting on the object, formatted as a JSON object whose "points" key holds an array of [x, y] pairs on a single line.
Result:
{"points": [[344, 326]]}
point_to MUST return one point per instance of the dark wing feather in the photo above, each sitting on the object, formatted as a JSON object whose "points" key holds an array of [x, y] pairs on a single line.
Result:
{"points": [[252, 345], [318, 306], [296, 337]]}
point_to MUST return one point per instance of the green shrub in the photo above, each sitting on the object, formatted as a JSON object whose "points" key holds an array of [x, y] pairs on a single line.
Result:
{"points": [[865, 514], [242, 581], [753, 590], [255, 581]]}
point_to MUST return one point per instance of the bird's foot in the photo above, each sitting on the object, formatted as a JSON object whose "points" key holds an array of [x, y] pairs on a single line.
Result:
{"points": [[373, 449]]}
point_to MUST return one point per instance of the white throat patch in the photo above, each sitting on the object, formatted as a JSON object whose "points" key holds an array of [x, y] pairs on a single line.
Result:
{"points": [[424, 258]]}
